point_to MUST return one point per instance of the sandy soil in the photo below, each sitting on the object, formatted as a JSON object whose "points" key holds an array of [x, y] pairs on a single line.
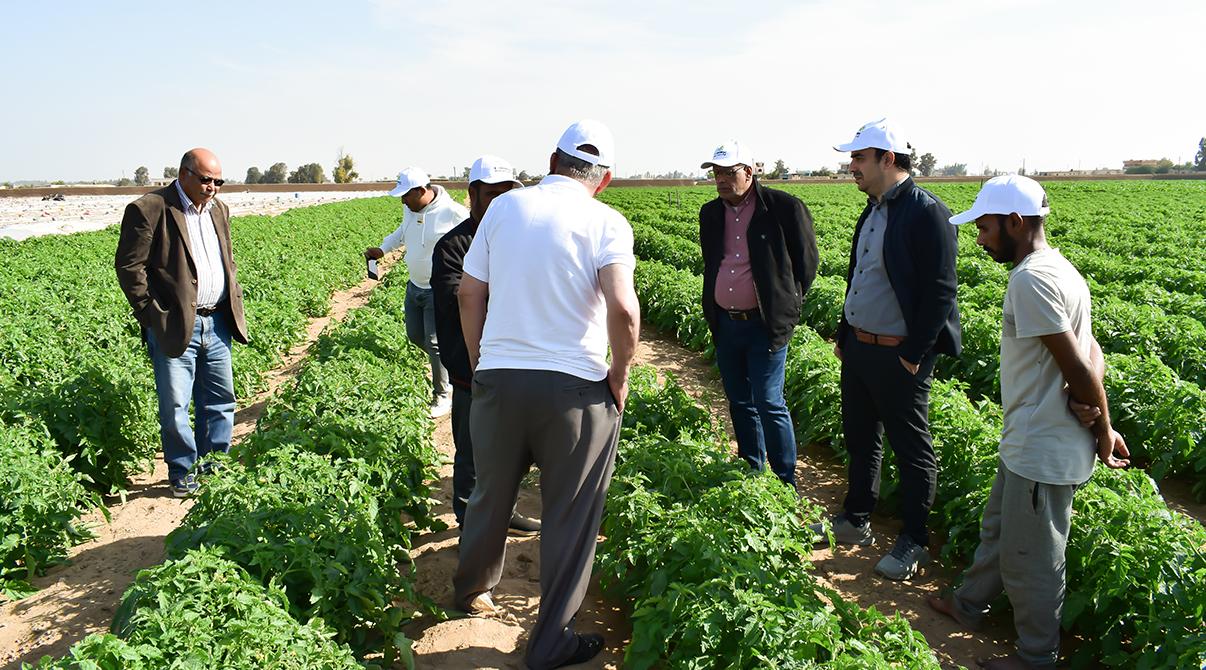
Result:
{"points": [[29, 217]]}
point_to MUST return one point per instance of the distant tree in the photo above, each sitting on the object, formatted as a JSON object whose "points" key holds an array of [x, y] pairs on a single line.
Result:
{"points": [[254, 176], [1200, 159], [124, 181], [344, 172], [779, 171], [823, 172], [311, 173], [524, 176], [171, 172], [7, 184], [925, 164], [913, 160], [1163, 166], [954, 170], [142, 176], [1140, 169], [275, 174], [465, 174]]}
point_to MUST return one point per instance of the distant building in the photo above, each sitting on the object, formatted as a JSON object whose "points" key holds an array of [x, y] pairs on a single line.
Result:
{"points": [[1099, 172], [844, 168], [1145, 163], [160, 182]]}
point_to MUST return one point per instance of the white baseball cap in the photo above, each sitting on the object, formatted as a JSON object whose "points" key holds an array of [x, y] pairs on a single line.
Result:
{"points": [[1007, 194], [729, 154], [594, 133], [492, 170], [408, 178], [876, 135]]}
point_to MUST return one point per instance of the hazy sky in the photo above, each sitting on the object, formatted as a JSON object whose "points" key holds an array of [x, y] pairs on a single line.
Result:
{"points": [[92, 90]]}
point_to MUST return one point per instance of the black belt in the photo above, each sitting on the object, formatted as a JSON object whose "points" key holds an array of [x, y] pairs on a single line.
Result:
{"points": [[207, 311], [742, 314]]}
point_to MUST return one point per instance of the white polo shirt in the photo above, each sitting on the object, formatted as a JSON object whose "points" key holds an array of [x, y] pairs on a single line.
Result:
{"points": [[421, 230], [540, 250], [1041, 439]]}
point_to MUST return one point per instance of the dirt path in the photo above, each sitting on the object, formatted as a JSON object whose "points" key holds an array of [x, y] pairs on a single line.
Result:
{"points": [[77, 599]]}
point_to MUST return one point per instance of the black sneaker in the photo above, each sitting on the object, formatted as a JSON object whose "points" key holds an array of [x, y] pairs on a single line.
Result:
{"points": [[524, 526], [183, 488], [589, 646]]}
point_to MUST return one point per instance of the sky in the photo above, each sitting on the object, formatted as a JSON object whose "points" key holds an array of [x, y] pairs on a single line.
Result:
{"points": [[92, 90]]}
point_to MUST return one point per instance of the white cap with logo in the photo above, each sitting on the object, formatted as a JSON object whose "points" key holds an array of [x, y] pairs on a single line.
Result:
{"points": [[408, 178], [594, 133], [492, 170], [729, 154], [876, 135], [1007, 194]]}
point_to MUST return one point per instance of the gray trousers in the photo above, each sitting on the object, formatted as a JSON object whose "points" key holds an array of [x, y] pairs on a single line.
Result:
{"points": [[569, 428], [1022, 540], [421, 331]]}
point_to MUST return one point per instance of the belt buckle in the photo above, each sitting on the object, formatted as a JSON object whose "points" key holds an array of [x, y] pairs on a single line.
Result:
{"points": [[738, 315]]}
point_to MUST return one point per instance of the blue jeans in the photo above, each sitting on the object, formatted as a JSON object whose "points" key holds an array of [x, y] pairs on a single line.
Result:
{"points": [[202, 375], [421, 330], [752, 374]]}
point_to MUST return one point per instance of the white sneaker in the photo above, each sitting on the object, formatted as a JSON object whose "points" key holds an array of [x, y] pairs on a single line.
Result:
{"points": [[441, 406]]}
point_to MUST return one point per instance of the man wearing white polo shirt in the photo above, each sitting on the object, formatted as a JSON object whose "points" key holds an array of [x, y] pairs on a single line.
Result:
{"points": [[1050, 362], [429, 214], [547, 287]]}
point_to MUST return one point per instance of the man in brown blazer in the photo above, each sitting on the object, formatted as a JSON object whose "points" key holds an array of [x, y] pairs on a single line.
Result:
{"points": [[175, 265]]}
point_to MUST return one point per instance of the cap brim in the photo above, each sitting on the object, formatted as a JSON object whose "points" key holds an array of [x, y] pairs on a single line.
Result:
{"points": [[501, 180], [398, 190], [709, 164], [966, 217]]}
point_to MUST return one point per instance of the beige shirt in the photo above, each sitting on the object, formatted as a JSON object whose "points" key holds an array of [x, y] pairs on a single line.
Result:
{"points": [[1041, 440]]}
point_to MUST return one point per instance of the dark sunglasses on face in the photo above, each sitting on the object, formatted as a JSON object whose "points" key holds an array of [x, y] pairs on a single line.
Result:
{"points": [[206, 180]]}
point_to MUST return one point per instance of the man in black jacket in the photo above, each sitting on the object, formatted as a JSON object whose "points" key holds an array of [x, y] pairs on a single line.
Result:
{"points": [[899, 314], [489, 178], [760, 257]]}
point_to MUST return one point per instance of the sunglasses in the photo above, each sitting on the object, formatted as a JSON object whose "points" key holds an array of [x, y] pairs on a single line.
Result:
{"points": [[206, 180], [726, 173]]}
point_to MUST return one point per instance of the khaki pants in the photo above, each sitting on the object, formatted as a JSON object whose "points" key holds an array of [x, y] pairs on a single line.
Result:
{"points": [[569, 428], [1023, 537]]}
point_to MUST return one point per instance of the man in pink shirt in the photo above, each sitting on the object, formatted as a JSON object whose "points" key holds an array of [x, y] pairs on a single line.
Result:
{"points": [[760, 257]]}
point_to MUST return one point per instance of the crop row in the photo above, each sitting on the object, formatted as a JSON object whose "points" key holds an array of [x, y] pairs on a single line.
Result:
{"points": [[1161, 412], [296, 553], [76, 384], [1136, 570], [715, 559]]}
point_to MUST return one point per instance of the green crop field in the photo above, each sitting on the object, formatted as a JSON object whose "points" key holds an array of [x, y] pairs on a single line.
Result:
{"points": [[1136, 570], [297, 555]]}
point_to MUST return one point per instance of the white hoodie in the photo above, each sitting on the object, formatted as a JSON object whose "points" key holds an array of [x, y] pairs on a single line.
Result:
{"points": [[421, 230]]}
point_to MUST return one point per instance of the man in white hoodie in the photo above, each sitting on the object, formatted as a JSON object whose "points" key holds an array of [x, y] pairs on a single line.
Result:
{"points": [[429, 213]]}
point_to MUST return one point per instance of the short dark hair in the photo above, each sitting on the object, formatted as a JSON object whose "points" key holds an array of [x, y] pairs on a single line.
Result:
{"points": [[576, 168], [189, 161], [902, 161]]}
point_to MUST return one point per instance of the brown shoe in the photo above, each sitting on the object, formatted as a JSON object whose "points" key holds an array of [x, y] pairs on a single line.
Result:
{"points": [[1010, 662], [946, 605]]}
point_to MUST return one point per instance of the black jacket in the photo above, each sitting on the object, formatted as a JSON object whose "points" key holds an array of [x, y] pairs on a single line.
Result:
{"points": [[919, 256], [783, 258], [447, 266]]}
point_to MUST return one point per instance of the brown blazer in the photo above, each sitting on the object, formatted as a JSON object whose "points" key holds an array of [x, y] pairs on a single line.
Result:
{"points": [[156, 270]]}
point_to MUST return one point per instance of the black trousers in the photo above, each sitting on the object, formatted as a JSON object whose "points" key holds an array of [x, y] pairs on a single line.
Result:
{"points": [[463, 474], [879, 395]]}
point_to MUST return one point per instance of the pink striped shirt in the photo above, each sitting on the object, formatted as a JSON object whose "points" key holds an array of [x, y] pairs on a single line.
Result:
{"points": [[735, 282]]}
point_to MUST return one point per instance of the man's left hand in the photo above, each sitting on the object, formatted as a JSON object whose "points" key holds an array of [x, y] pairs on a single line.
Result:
{"points": [[911, 367]]}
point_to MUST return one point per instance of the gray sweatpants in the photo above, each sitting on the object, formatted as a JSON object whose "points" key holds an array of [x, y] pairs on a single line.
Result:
{"points": [[1022, 540], [569, 427]]}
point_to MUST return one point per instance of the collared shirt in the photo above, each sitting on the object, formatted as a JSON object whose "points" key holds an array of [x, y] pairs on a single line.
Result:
{"points": [[871, 304], [421, 230], [207, 253], [735, 281], [540, 249]]}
